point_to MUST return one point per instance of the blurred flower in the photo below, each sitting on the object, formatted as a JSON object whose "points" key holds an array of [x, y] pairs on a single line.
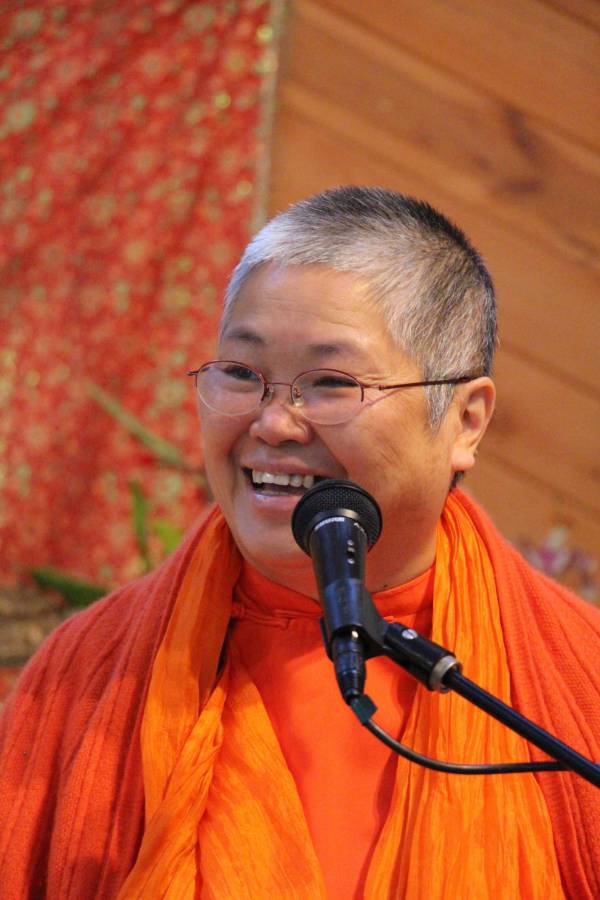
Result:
{"points": [[556, 558]]}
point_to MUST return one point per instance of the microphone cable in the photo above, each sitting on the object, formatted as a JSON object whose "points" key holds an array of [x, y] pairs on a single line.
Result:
{"points": [[364, 708]]}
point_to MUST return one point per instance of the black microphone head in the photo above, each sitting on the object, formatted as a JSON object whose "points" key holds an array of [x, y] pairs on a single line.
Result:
{"points": [[335, 497]]}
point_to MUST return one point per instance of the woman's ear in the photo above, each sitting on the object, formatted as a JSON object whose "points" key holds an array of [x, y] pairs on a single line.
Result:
{"points": [[475, 405]]}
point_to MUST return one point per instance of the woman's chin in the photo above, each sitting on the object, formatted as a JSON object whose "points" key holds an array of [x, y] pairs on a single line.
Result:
{"points": [[276, 555], [261, 523]]}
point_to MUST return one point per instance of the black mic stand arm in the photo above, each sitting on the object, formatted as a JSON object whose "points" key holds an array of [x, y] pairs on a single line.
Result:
{"points": [[352, 627]]}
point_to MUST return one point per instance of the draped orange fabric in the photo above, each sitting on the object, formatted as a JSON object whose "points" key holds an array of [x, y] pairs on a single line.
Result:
{"points": [[224, 818], [71, 791], [344, 777]]}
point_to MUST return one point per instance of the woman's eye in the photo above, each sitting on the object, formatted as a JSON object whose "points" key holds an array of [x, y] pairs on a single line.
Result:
{"points": [[241, 373], [332, 381]]}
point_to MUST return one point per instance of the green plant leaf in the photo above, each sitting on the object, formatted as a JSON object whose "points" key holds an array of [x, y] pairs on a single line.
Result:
{"points": [[170, 535], [139, 511], [163, 450], [74, 591]]}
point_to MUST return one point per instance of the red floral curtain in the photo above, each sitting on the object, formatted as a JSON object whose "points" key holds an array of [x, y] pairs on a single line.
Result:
{"points": [[132, 146]]}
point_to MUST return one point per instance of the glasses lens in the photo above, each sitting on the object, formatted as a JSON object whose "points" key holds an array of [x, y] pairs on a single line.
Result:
{"points": [[329, 397], [229, 388]]}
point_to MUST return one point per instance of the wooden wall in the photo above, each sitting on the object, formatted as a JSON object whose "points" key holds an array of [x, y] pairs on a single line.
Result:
{"points": [[490, 110]]}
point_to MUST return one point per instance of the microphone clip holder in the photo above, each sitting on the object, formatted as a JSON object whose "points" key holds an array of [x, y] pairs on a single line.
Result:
{"points": [[350, 612]]}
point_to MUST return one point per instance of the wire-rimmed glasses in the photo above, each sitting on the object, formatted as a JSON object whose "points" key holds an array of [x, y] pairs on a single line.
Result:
{"points": [[323, 396]]}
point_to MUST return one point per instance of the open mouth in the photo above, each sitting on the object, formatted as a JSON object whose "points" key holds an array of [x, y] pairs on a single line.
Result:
{"points": [[281, 484]]}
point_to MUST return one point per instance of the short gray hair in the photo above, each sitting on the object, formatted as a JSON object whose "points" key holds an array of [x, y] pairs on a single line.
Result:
{"points": [[432, 286]]}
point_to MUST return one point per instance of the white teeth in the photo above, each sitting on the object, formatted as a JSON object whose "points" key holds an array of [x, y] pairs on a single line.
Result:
{"points": [[306, 481]]}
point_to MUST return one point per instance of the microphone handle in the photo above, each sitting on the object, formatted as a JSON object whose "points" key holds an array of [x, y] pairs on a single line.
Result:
{"points": [[348, 655], [338, 547]]}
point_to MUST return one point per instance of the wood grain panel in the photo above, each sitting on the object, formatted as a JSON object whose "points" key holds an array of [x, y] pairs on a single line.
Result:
{"points": [[587, 11], [523, 510], [531, 54], [549, 304], [547, 431], [462, 141]]}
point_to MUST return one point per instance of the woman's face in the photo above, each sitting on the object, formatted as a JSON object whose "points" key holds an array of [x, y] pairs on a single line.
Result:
{"points": [[290, 319]]}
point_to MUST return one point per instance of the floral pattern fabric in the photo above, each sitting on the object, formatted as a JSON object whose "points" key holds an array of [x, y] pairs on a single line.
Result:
{"points": [[132, 142]]}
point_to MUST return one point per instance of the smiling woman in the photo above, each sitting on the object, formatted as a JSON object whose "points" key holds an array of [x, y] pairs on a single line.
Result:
{"points": [[288, 317], [183, 715]]}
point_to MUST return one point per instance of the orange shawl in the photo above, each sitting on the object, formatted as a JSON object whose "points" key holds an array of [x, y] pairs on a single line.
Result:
{"points": [[94, 674], [224, 814]]}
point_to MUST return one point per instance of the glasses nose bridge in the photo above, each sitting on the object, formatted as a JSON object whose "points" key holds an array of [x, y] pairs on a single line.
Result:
{"points": [[269, 391]]}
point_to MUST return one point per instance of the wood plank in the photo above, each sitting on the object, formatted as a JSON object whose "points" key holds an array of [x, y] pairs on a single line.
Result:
{"points": [[547, 431], [525, 52], [542, 294], [524, 512], [587, 11], [463, 141]]}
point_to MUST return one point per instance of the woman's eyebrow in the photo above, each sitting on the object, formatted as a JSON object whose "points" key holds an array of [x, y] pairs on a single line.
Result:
{"points": [[245, 336], [337, 348], [318, 350]]}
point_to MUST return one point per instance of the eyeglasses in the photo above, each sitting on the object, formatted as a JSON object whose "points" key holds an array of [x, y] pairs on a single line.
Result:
{"points": [[324, 396]]}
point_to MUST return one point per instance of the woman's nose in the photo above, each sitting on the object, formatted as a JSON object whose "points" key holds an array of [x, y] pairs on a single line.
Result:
{"points": [[278, 419]]}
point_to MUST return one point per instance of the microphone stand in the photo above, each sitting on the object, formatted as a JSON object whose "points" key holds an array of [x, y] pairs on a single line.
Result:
{"points": [[351, 615]]}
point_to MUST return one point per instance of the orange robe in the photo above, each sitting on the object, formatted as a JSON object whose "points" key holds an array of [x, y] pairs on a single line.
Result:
{"points": [[71, 797], [345, 778]]}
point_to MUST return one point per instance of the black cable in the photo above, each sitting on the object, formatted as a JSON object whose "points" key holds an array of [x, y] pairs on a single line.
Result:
{"points": [[363, 707]]}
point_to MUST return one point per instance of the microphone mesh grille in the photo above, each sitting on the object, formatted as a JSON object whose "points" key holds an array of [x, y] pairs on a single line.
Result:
{"points": [[334, 496]]}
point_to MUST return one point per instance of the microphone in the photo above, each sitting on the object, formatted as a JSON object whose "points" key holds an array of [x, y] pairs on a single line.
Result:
{"points": [[336, 523]]}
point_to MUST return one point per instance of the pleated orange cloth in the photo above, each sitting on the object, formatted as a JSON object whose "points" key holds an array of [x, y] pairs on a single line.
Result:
{"points": [[76, 770], [224, 817], [344, 777]]}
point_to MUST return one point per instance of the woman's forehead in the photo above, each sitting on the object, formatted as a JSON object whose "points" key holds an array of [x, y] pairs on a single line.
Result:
{"points": [[311, 298], [313, 315]]}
